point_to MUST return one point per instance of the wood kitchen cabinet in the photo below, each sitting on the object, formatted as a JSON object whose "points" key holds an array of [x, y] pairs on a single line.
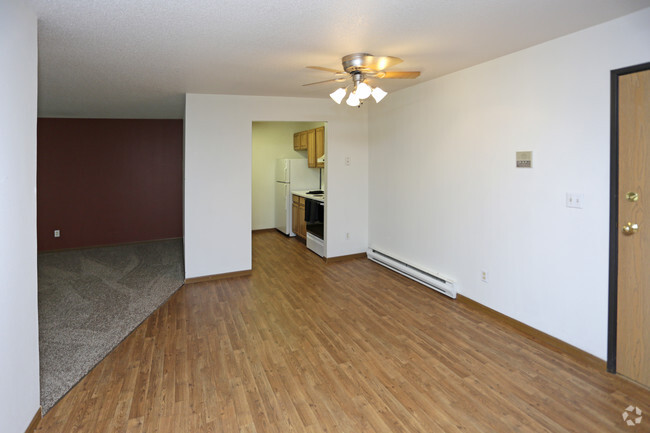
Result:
{"points": [[311, 144], [320, 146], [313, 141], [316, 147], [294, 214], [298, 225], [300, 140]]}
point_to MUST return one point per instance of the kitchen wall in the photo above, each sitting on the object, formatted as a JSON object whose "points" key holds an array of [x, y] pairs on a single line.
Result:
{"points": [[218, 176], [271, 141], [109, 181], [445, 193], [19, 377]]}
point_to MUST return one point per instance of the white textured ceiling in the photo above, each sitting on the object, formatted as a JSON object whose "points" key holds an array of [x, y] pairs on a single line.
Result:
{"points": [[137, 58]]}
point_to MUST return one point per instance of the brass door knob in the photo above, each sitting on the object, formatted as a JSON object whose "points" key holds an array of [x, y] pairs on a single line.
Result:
{"points": [[632, 196], [630, 228]]}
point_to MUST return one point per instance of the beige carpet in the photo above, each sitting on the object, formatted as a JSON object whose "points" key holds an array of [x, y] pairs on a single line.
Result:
{"points": [[89, 300]]}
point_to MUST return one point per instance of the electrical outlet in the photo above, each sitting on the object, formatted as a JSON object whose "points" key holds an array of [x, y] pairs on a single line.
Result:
{"points": [[484, 276], [57, 233], [347, 236], [347, 160]]}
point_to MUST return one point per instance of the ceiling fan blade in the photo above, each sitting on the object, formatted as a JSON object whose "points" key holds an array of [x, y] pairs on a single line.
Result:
{"points": [[320, 68], [338, 80], [379, 63], [399, 74]]}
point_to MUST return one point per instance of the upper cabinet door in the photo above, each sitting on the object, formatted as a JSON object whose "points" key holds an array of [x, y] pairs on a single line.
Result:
{"points": [[320, 146], [303, 140], [296, 141], [311, 148]]}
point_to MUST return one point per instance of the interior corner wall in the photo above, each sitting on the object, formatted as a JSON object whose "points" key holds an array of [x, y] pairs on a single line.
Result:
{"points": [[271, 141], [217, 218], [109, 181], [445, 193], [19, 377]]}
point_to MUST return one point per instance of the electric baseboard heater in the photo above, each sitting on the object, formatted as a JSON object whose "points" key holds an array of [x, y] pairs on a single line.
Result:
{"points": [[434, 281]]}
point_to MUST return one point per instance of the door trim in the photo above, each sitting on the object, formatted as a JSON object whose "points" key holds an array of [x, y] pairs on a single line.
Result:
{"points": [[613, 214]]}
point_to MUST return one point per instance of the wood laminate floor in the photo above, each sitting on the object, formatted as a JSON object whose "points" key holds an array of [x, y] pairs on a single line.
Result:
{"points": [[303, 346]]}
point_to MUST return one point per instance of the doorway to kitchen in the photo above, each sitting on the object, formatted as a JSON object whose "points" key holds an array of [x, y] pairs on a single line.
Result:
{"points": [[288, 169]]}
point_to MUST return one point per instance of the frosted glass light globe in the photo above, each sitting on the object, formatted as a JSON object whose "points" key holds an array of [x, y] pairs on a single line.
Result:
{"points": [[338, 95], [353, 100], [378, 94], [363, 90]]}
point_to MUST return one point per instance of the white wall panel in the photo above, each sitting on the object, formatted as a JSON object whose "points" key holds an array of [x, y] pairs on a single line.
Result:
{"points": [[19, 377], [445, 193], [218, 176]]}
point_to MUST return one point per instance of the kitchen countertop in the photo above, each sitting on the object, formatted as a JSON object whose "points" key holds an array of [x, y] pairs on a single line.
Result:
{"points": [[317, 197]]}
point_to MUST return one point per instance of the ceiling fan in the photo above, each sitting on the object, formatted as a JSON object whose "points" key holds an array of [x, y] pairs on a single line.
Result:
{"points": [[360, 67]]}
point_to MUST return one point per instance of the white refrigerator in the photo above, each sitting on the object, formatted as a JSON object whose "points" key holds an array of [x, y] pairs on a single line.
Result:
{"points": [[291, 175]]}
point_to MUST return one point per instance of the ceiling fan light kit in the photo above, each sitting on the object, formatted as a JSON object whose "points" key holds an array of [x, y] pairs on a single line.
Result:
{"points": [[359, 67], [358, 95]]}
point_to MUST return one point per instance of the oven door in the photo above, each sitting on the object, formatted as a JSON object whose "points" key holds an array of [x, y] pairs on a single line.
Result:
{"points": [[315, 217]]}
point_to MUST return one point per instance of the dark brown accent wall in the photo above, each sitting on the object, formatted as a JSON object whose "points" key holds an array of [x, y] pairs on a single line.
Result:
{"points": [[108, 181]]}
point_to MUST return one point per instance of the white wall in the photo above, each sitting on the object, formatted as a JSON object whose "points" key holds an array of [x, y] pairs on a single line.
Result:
{"points": [[445, 193], [218, 176], [272, 141], [19, 380]]}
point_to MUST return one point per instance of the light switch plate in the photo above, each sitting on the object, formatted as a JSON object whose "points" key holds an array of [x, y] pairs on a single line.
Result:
{"points": [[575, 200]]}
